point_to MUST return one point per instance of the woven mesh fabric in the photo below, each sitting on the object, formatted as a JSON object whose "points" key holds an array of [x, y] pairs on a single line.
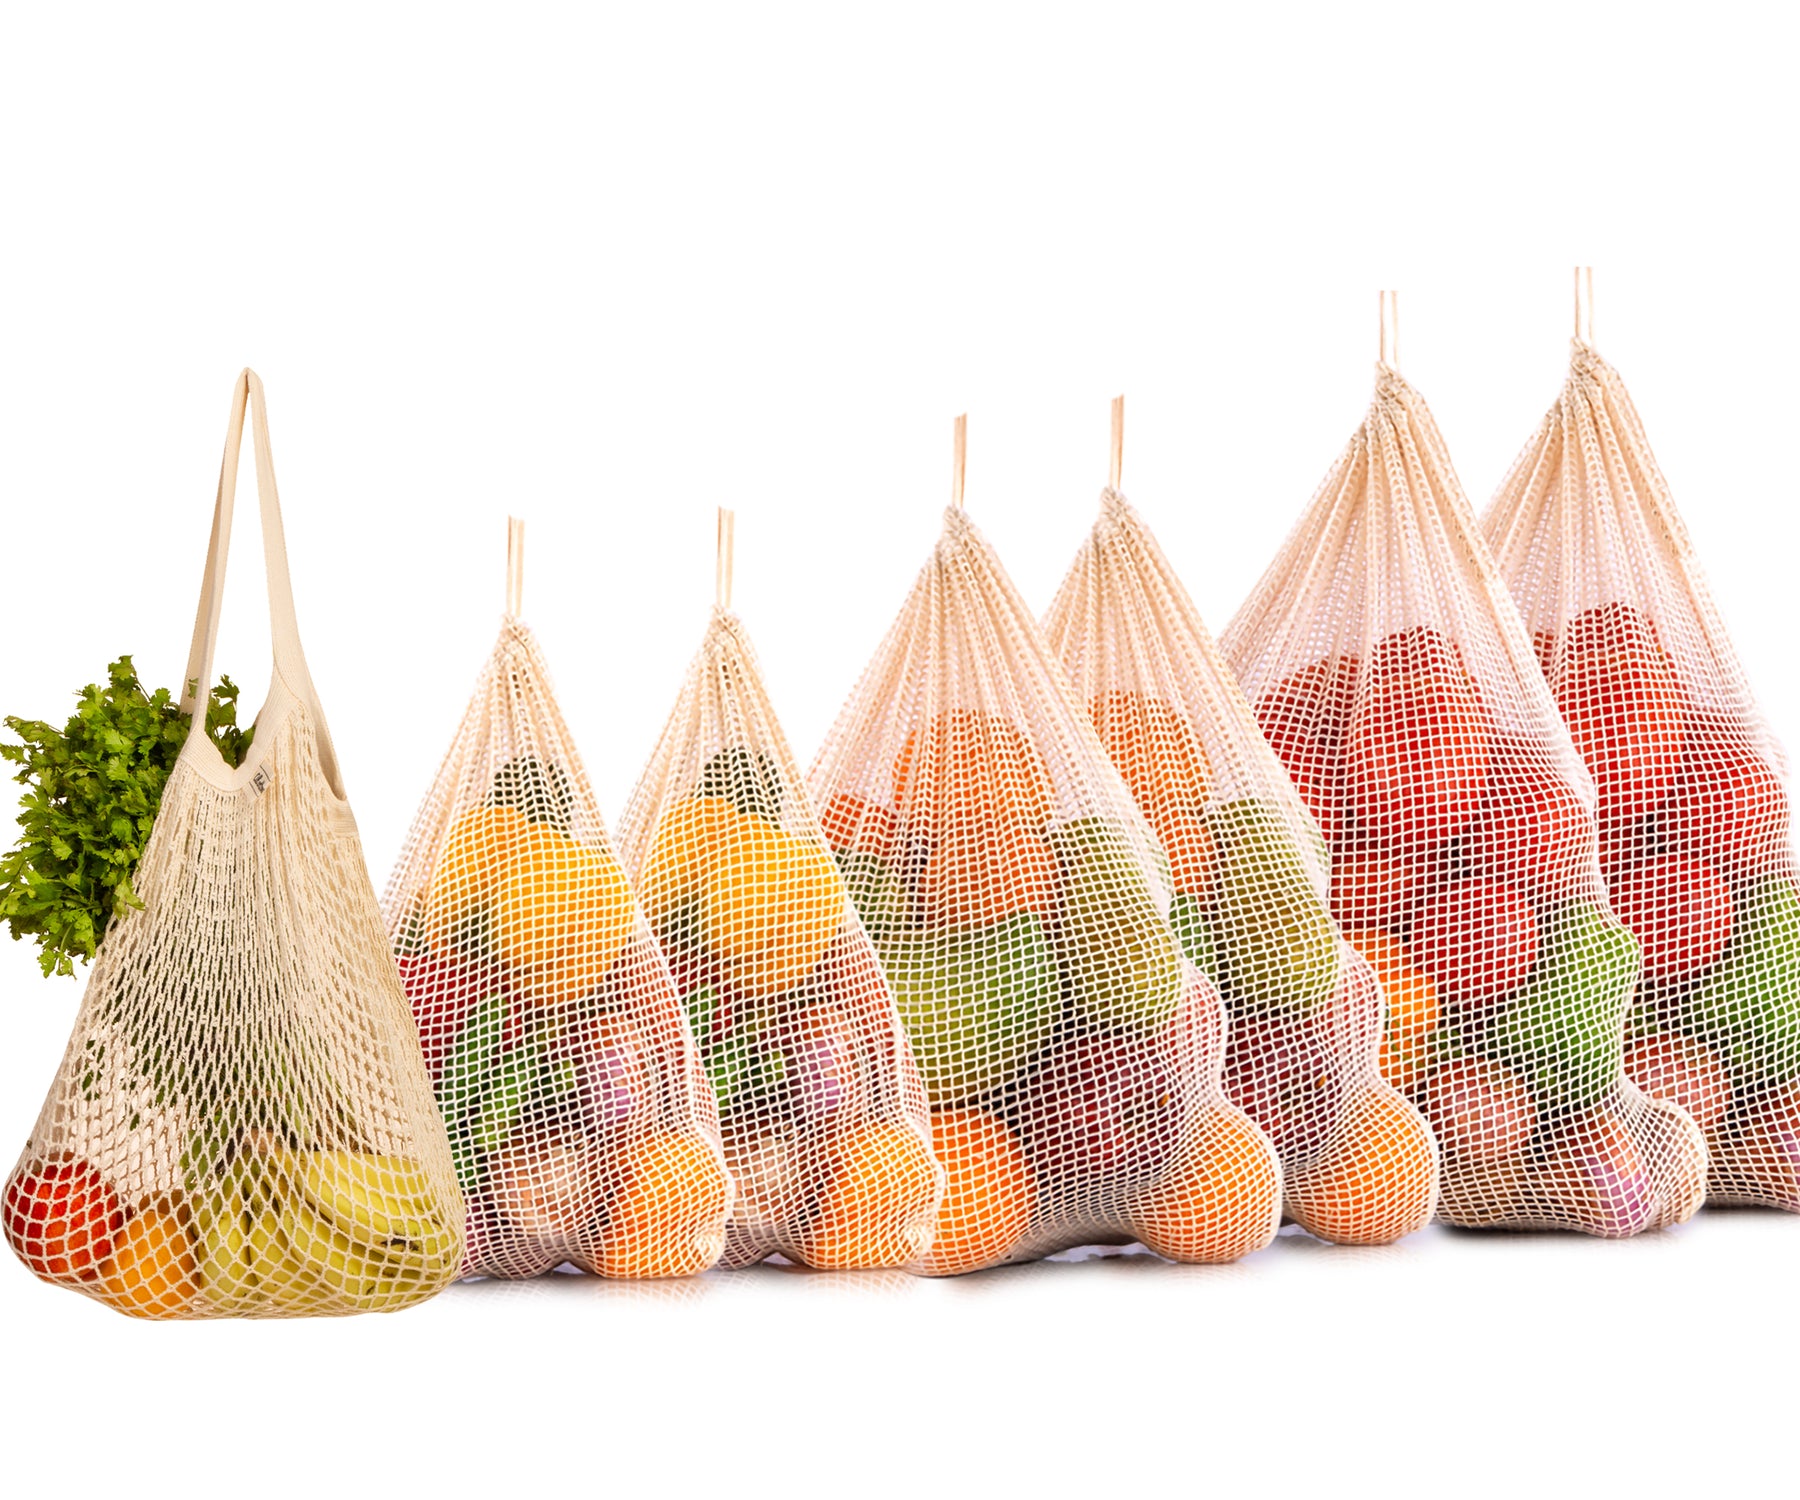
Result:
{"points": [[582, 1126], [1392, 675], [823, 1114], [241, 1126], [1019, 903], [1694, 825], [1251, 880]]}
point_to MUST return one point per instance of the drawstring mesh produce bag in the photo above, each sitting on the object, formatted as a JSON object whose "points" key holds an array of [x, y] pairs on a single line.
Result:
{"points": [[1392, 675], [1251, 882], [1694, 832], [823, 1115], [1070, 1055], [581, 1124], [241, 1126]]}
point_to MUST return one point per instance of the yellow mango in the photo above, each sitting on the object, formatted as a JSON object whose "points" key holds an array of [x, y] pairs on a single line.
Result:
{"points": [[474, 860], [770, 903], [562, 914], [685, 847]]}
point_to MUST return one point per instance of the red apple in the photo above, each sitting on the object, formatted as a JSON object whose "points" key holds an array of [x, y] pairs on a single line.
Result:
{"points": [[1477, 939], [1680, 912], [1675, 1067], [1375, 891], [1478, 1110], [1282, 1071], [1305, 719], [61, 1219], [1729, 805], [1623, 705], [1593, 1173], [1532, 829], [1419, 743], [1103, 1107], [442, 989], [1759, 1162]]}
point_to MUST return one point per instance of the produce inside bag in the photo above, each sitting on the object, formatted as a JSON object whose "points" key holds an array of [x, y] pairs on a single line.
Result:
{"points": [[1694, 830], [580, 1121], [824, 1119], [1392, 675], [1251, 879], [1071, 1056]]}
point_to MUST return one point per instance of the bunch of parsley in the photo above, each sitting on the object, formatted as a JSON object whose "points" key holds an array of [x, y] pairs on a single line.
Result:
{"points": [[93, 788]]}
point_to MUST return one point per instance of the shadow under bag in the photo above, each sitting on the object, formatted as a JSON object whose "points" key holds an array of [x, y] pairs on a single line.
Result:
{"points": [[242, 1125]]}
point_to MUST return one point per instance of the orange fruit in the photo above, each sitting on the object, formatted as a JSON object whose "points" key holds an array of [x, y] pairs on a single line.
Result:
{"points": [[879, 1205], [1413, 1009], [1377, 1182], [1221, 1200], [475, 858], [1154, 746], [850, 823], [668, 1216], [1182, 831], [979, 876], [151, 1272], [770, 904], [562, 914], [682, 850], [975, 769], [989, 1192]]}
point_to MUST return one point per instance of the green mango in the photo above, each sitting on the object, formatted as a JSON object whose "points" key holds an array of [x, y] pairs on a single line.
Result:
{"points": [[1188, 918], [1118, 956], [1277, 944], [877, 893], [1748, 1008], [976, 1005], [752, 781], [1565, 1029]]}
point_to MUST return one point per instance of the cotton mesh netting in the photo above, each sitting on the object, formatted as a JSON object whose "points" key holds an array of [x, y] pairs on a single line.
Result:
{"points": [[823, 1114], [1251, 881], [1071, 1057], [581, 1123], [241, 1125], [1694, 833], [1392, 675]]}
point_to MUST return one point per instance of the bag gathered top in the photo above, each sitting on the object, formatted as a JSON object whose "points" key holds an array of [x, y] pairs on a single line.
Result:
{"points": [[1694, 819], [1251, 878], [823, 1113], [582, 1127], [242, 1125], [1392, 675], [1070, 1054]]}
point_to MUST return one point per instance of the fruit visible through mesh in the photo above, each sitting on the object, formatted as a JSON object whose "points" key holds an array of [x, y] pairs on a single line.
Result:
{"points": [[1694, 819], [822, 1112], [1391, 674], [581, 1125], [1070, 1055], [1249, 876]]}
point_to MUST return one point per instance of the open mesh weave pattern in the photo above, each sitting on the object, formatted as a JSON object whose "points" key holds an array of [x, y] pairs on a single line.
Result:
{"points": [[582, 1126], [1694, 827], [241, 1126], [1392, 675], [1071, 1056], [1252, 882], [823, 1114]]}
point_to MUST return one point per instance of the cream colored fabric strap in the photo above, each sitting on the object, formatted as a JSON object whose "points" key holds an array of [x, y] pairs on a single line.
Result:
{"points": [[284, 631]]}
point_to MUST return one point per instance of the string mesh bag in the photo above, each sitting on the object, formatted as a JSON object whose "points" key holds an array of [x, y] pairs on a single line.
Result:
{"points": [[1071, 1056], [1694, 829], [823, 1114], [582, 1127], [1252, 882], [1393, 676], [241, 1126]]}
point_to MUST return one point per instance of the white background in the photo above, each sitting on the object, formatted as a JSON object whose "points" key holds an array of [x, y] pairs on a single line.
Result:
{"points": [[606, 268]]}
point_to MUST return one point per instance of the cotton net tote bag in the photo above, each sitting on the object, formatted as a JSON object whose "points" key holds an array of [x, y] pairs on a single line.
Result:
{"points": [[582, 1127], [824, 1119], [1020, 907], [242, 1126], [1694, 835], [1392, 674], [1251, 878]]}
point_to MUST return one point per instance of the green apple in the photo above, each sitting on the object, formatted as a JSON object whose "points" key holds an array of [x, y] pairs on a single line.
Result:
{"points": [[976, 1005], [1276, 942], [1748, 1008], [1566, 1027], [1118, 956], [1188, 918]]}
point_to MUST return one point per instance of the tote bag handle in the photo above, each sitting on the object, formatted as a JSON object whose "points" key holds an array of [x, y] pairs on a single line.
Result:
{"points": [[284, 630]]}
